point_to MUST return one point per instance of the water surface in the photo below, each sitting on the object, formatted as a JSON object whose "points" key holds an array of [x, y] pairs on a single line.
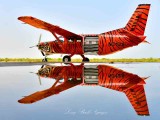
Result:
{"points": [[90, 96]]}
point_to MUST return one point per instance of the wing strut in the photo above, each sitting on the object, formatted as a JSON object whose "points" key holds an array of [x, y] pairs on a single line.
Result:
{"points": [[56, 37]]}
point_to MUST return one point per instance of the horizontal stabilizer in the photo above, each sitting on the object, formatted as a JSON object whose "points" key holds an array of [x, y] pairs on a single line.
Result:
{"points": [[132, 35]]}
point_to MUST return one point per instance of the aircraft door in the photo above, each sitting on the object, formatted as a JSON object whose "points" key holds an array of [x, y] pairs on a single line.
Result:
{"points": [[91, 44]]}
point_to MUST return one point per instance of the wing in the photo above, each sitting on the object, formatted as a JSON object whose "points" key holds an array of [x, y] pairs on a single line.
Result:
{"points": [[51, 91], [137, 98], [49, 27]]}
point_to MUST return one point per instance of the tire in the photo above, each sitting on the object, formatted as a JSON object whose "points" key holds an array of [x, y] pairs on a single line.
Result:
{"points": [[86, 59], [66, 59], [44, 60]]}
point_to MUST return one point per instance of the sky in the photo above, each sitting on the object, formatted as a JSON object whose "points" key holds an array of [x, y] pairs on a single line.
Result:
{"points": [[84, 16]]}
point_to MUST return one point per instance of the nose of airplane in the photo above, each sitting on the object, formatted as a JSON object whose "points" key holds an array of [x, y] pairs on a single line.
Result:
{"points": [[40, 45], [44, 46], [44, 72]]}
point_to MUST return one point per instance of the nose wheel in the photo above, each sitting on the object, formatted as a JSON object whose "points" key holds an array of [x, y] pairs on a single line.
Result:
{"points": [[44, 60]]}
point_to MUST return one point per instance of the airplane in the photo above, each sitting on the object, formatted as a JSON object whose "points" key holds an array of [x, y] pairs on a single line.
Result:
{"points": [[70, 76], [100, 44]]}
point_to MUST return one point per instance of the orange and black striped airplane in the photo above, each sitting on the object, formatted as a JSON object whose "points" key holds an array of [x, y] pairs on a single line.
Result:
{"points": [[102, 75], [101, 44]]}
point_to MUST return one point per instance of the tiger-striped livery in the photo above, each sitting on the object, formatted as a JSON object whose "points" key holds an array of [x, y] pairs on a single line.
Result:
{"points": [[117, 40], [102, 44], [101, 75], [128, 83]]}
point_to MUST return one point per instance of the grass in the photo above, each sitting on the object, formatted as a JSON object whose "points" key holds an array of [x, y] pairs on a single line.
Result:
{"points": [[80, 60], [28, 60]]}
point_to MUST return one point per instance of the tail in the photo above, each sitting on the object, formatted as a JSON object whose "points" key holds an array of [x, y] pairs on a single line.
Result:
{"points": [[137, 22]]}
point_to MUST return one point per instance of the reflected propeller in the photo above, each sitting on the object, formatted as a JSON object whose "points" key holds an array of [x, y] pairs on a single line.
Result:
{"points": [[39, 78]]}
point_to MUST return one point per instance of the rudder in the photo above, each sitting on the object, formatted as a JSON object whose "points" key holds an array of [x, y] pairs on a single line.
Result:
{"points": [[137, 22]]}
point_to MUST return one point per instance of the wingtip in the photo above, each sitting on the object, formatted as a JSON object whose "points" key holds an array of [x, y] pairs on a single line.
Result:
{"points": [[145, 78], [144, 114], [146, 42], [22, 17], [144, 5], [23, 101], [19, 18]]}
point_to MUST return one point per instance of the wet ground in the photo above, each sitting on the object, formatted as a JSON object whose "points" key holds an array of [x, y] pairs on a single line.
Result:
{"points": [[80, 91]]}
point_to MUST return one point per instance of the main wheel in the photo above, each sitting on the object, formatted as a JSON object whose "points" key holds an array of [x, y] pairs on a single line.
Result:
{"points": [[86, 59], [44, 60], [66, 59]]}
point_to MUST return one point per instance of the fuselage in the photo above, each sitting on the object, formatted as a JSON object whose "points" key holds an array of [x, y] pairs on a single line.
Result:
{"points": [[101, 75], [100, 44]]}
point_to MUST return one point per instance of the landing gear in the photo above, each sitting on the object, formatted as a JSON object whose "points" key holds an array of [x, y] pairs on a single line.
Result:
{"points": [[85, 59], [44, 60], [66, 59]]}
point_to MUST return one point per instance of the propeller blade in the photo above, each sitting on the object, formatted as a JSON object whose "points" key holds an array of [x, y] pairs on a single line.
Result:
{"points": [[42, 53], [38, 42], [33, 46], [39, 38], [38, 77], [39, 80], [32, 72]]}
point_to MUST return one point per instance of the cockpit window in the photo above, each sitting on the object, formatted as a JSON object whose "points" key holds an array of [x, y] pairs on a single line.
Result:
{"points": [[79, 40], [70, 40], [60, 40]]}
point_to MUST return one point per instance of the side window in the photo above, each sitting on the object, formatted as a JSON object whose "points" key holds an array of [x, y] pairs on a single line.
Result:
{"points": [[70, 40], [79, 41]]}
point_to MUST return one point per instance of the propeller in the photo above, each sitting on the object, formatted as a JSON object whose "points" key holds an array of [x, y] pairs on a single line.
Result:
{"points": [[39, 40], [38, 78]]}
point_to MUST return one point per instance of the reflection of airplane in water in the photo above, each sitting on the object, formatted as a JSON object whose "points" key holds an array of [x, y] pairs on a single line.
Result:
{"points": [[101, 75]]}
